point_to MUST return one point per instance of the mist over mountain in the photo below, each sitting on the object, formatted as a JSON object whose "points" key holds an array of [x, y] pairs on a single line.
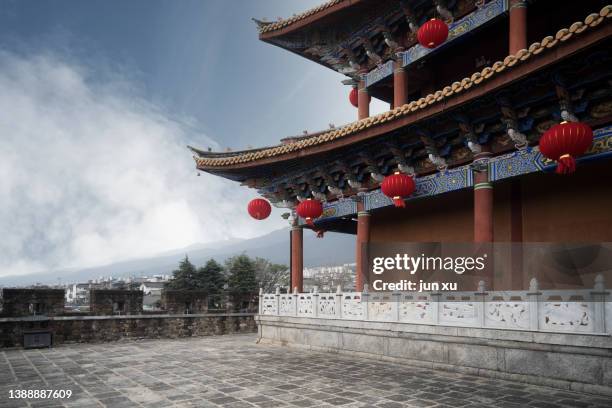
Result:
{"points": [[334, 249]]}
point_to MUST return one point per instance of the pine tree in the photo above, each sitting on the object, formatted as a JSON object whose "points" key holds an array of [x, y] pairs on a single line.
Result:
{"points": [[210, 277], [242, 275], [184, 277]]}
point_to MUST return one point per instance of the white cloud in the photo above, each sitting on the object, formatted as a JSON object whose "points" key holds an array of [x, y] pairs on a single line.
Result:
{"points": [[90, 173]]}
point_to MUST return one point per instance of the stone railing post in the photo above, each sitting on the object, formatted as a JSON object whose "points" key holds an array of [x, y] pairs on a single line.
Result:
{"points": [[295, 301], [364, 301], [338, 309], [315, 302], [277, 300], [435, 307], [261, 300], [395, 305], [534, 304], [598, 297], [482, 307]]}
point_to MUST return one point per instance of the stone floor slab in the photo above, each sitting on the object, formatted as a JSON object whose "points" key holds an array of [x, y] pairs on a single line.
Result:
{"points": [[233, 371]]}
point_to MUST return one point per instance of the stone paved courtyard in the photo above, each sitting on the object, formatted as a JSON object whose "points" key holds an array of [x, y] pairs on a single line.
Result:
{"points": [[231, 371]]}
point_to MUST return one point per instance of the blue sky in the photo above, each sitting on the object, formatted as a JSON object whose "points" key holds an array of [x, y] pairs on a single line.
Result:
{"points": [[199, 59], [99, 99]]}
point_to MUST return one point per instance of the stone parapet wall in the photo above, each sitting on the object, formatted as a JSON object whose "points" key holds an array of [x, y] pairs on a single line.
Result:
{"points": [[580, 362], [104, 302], [28, 302], [83, 329], [184, 301]]}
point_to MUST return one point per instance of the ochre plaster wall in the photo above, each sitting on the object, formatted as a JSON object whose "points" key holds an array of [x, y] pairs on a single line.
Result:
{"points": [[448, 218], [547, 208]]}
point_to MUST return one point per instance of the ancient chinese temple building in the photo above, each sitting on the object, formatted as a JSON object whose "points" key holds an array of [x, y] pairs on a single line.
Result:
{"points": [[465, 119], [479, 123]]}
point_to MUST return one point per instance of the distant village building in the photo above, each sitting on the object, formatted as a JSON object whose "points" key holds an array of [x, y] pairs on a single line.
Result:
{"points": [[152, 288], [328, 278], [77, 294], [152, 294]]}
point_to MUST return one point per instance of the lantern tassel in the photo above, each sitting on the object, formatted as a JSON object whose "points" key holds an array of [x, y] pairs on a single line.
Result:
{"points": [[566, 164], [309, 221], [320, 233], [399, 202]]}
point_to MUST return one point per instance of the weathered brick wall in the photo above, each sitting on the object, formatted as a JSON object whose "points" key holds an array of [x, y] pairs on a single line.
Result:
{"points": [[29, 302], [112, 328], [103, 302]]}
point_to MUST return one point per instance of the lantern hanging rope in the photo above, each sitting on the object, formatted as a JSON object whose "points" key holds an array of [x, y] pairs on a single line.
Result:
{"points": [[259, 208], [398, 186], [309, 209], [564, 142], [433, 33]]}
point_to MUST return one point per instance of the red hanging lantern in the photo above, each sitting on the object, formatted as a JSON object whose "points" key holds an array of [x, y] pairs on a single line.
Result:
{"points": [[259, 208], [564, 142], [397, 186], [309, 209], [354, 97], [432, 33]]}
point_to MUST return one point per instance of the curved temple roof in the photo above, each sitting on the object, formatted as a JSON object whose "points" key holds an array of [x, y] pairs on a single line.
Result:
{"points": [[266, 27], [212, 160]]}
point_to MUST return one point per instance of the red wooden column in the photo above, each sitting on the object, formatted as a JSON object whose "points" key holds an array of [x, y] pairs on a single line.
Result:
{"points": [[363, 238], [483, 203], [518, 25], [363, 101], [297, 258], [400, 93], [518, 41]]}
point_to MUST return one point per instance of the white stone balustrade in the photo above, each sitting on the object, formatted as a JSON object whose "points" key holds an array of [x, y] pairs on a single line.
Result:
{"points": [[585, 311]]}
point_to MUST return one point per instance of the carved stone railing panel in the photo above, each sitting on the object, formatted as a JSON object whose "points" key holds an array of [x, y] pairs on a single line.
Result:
{"points": [[567, 311], [286, 304], [269, 305], [460, 313], [327, 305], [561, 311], [381, 306], [305, 304], [352, 308], [509, 310], [415, 308], [566, 316], [461, 309]]}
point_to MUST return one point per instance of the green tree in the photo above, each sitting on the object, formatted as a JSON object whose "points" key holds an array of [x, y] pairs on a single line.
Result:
{"points": [[242, 277], [270, 275], [210, 277], [184, 277]]}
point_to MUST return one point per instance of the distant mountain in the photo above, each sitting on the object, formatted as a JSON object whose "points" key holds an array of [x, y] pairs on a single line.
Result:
{"points": [[334, 249]]}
